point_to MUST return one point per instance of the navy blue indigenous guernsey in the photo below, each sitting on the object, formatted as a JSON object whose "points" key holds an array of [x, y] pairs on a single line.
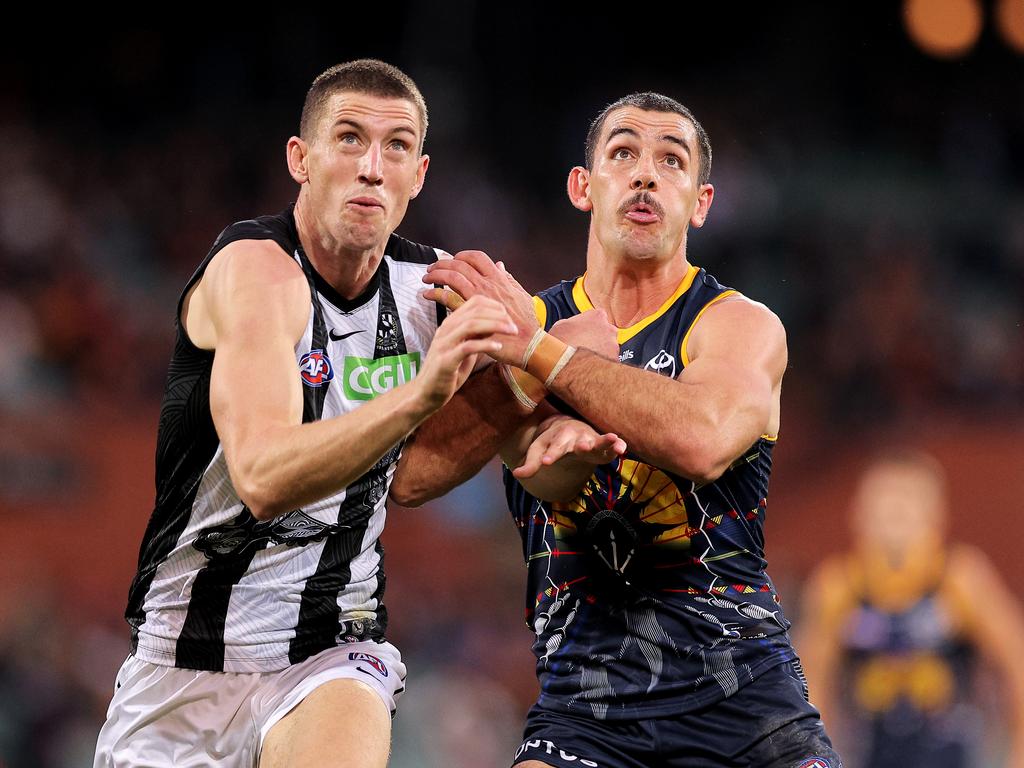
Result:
{"points": [[647, 593]]}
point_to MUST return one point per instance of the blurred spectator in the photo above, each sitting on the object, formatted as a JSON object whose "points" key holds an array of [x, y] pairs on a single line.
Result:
{"points": [[893, 631]]}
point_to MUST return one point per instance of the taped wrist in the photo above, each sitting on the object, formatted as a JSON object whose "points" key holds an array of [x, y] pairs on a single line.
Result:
{"points": [[527, 390], [546, 356]]}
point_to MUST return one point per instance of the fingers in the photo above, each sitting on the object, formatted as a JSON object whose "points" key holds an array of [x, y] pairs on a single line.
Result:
{"points": [[480, 261], [445, 297], [460, 280]]}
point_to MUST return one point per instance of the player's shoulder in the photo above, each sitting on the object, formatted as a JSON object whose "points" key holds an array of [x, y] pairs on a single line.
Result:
{"points": [[404, 251], [967, 564], [734, 322], [278, 228]]}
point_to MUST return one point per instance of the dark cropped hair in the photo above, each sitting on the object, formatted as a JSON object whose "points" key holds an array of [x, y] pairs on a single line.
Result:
{"points": [[370, 76], [652, 102]]}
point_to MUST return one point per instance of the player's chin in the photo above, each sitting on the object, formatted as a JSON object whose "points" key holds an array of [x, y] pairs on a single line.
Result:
{"points": [[364, 235]]}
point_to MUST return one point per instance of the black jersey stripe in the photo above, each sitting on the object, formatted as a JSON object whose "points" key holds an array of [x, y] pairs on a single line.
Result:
{"points": [[319, 613], [313, 398], [390, 338], [201, 641]]}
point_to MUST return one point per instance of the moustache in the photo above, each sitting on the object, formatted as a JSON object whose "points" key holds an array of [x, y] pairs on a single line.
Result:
{"points": [[645, 199]]}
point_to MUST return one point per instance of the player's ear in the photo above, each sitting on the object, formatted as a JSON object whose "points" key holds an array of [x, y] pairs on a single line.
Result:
{"points": [[578, 187], [700, 210], [421, 175], [297, 151]]}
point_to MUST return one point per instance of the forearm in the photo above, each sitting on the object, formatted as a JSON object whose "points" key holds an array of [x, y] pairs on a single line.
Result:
{"points": [[670, 423], [285, 467], [455, 443], [559, 481]]}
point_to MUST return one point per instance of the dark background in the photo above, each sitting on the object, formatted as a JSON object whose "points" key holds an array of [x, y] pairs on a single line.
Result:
{"points": [[870, 192]]}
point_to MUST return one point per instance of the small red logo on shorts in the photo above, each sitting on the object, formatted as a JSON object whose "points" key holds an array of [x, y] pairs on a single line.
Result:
{"points": [[815, 762], [373, 661], [316, 368]]}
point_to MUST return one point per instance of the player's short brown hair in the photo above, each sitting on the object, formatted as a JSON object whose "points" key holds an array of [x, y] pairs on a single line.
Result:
{"points": [[913, 459], [370, 76], [652, 102]]}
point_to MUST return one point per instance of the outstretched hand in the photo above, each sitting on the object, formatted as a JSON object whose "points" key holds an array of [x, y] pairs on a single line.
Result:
{"points": [[561, 437]]}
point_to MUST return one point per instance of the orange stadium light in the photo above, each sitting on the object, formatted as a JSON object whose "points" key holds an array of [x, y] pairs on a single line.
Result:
{"points": [[944, 28], [1010, 21]]}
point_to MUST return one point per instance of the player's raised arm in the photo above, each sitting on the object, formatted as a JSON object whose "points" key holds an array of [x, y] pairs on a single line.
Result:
{"points": [[252, 306], [699, 423]]}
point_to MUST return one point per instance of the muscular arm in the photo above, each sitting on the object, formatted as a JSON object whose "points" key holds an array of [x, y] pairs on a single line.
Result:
{"points": [[697, 424], [253, 303]]}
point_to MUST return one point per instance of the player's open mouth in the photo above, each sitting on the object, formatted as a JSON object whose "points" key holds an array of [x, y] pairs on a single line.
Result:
{"points": [[642, 214]]}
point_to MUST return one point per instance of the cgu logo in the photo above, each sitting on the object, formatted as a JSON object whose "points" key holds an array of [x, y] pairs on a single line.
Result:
{"points": [[315, 368], [364, 378]]}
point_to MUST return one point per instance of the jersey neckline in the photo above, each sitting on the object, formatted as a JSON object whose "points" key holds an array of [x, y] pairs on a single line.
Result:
{"points": [[583, 303]]}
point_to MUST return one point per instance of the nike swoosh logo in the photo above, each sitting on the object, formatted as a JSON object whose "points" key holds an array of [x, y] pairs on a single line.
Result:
{"points": [[340, 336]]}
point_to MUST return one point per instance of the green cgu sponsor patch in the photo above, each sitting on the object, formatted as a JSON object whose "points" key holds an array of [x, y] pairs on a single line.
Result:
{"points": [[364, 378]]}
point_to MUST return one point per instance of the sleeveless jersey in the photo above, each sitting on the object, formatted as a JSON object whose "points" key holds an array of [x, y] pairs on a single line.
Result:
{"points": [[217, 589], [909, 675], [648, 594]]}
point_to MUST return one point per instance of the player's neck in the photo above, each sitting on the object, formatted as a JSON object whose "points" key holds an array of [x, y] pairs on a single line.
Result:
{"points": [[347, 271], [631, 289]]}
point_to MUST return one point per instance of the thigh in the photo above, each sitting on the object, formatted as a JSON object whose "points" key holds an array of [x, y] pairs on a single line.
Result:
{"points": [[788, 732], [342, 723], [558, 740], [163, 716]]}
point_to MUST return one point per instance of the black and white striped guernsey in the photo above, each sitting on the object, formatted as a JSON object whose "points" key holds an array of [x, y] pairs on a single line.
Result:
{"points": [[217, 589]]}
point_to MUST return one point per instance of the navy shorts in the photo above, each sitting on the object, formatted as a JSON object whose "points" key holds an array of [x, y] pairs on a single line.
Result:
{"points": [[766, 724]]}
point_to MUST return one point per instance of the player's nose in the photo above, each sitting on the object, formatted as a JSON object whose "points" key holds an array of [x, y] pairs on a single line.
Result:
{"points": [[371, 166], [645, 174]]}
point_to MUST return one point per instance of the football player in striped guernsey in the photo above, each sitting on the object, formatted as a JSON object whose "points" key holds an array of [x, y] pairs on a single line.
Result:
{"points": [[639, 485], [301, 365]]}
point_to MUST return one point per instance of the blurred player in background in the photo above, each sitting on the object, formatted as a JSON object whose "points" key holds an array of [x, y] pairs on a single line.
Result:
{"points": [[659, 637], [894, 629], [300, 366]]}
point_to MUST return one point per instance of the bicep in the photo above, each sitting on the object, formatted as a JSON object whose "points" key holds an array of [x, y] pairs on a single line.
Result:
{"points": [[739, 355], [259, 303]]}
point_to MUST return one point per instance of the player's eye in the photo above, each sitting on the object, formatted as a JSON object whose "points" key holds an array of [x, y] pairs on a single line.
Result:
{"points": [[348, 138], [399, 145], [674, 161], [621, 154]]}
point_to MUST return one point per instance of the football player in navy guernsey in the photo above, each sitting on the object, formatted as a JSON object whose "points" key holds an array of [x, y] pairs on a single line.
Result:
{"points": [[300, 367], [640, 481]]}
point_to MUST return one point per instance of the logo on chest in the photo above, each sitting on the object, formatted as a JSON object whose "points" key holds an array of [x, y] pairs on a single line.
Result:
{"points": [[662, 363], [316, 368], [365, 378]]}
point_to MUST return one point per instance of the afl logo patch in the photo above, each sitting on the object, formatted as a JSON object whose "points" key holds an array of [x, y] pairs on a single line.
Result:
{"points": [[370, 659], [315, 368], [815, 762]]}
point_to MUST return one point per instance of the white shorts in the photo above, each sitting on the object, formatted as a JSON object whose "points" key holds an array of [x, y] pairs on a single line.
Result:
{"points": [[164, 716]]}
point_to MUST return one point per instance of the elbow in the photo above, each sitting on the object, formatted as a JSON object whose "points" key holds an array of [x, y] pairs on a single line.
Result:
{"points": [[405, 494], [258, 496], [702, 464], [262, 506]]}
